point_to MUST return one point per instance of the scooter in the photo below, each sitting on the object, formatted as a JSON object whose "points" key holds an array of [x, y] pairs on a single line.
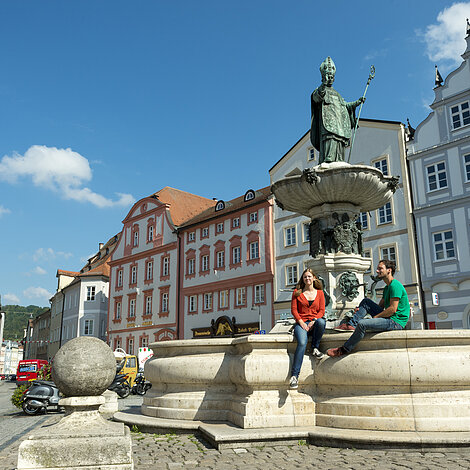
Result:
{"points": [[141, 385], [120, 385], [39, 396]]}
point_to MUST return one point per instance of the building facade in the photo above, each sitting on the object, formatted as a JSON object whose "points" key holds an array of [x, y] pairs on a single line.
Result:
{"points": [[388, 232], [144, 297], [439, 159], [227, 268]]}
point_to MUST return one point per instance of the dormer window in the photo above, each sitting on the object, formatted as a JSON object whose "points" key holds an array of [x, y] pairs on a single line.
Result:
{"points": [[249, 195], [220, 206]]}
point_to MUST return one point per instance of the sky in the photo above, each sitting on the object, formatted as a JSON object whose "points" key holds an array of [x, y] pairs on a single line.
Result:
{"points": [[104, 103]]}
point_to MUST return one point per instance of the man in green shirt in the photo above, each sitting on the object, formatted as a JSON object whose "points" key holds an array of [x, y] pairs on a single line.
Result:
{"points": [[392, 312]]}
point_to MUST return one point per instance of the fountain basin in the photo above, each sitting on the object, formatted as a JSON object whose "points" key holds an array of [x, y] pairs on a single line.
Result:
{"points": [[350, 188], [415, 381]]}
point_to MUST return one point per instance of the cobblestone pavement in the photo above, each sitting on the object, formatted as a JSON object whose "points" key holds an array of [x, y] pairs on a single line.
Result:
{"points": [[175, 452]]}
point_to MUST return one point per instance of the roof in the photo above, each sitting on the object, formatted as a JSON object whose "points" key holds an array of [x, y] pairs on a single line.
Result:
{"points": [[61, 272], [183, 205], [230, 206], [98, 263]]}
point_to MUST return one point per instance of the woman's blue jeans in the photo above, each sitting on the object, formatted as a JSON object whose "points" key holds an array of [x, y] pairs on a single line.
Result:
{"points": [[302, 338]]}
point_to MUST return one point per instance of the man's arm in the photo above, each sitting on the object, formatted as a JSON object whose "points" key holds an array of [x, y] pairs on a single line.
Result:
{"points": [[381, 303], [388, 312]]}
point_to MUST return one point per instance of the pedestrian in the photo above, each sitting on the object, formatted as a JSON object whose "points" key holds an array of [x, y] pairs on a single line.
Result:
{"points": [[308, 309], [392, 312]]}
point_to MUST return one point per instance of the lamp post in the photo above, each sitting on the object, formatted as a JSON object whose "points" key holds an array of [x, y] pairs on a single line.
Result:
{"points": [[259, 315]]}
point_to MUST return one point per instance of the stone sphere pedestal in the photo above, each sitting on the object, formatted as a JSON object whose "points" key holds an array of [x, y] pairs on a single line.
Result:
{"points": [[82, 439]]}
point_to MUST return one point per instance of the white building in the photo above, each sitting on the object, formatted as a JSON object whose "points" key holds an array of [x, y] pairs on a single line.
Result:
{"points": [[387, 232], [439, 158]]}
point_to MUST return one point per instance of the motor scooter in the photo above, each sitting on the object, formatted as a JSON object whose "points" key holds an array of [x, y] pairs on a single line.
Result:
{"points": [[141, 385], [39, 396]]}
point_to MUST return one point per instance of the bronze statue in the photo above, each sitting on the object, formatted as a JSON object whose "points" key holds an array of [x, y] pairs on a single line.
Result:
{"points": [[332, 117]]}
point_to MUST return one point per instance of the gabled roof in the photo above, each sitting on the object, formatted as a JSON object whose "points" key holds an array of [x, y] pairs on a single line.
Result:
{"points": [[183, 205], [61, 272], [230, 206]]}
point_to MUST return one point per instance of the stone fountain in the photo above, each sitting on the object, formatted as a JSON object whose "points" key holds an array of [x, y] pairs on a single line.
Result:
{"points": [[403, 389]]}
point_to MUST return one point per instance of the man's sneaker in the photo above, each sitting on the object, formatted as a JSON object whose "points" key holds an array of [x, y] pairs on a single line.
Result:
{"points": [[294, 382], [345, 327], [336, 352], [317, 353]]}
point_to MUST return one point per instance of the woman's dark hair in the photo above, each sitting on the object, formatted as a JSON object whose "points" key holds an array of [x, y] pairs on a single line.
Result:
{"points": [[389, 264], [300, 286]]}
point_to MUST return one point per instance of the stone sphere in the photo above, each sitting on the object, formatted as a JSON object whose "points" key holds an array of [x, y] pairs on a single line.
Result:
{"points": [[84, 366]]}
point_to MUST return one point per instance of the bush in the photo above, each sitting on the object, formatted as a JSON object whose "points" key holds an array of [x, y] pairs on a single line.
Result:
{"points": [[17, 396]]}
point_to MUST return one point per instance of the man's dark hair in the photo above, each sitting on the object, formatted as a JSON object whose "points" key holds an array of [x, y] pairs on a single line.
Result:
{"points": [[389, 264]]}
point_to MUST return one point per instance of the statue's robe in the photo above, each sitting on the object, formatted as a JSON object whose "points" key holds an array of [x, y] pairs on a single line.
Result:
{"points": [[332, 121]]}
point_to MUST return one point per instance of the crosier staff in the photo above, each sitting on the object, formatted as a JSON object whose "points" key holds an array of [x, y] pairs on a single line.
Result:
{"points": [[371, 76]]}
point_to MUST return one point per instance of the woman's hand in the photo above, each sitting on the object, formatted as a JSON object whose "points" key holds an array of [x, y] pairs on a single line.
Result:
{"points": [[303, 325], [310, 325]]}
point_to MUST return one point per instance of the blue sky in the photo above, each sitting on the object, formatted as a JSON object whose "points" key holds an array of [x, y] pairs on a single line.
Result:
{"points": [[103, 103]]}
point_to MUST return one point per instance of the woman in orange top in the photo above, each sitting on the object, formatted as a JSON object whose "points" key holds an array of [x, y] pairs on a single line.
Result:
{"points": [[308, 309]]}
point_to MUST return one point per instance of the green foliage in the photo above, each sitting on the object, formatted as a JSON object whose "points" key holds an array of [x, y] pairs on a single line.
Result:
{"points": [[45, 372], [17, 396], [16, 320]]}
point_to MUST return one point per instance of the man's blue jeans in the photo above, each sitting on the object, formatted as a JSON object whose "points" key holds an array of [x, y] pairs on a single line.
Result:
{"points": [[302, 337], [371, 324]]}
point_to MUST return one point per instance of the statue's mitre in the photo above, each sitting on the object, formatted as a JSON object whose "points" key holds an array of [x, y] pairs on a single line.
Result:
{"points": [[327, 66]]}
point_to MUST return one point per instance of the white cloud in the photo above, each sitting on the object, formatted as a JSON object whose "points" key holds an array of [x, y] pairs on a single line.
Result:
{"points": [[60, 170], [39, 270], [445, 40], [10, 299], [37, 293], [4, 210], [49, 254]]}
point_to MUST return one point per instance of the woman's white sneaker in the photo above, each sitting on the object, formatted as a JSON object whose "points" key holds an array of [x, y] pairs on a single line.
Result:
{"points": [[317, 353]]}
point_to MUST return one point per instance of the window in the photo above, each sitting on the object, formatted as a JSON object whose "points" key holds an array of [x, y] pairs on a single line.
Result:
{"points": [[207, 301], [117, 315], [306, 229], [205, 232], [192, 303], [290, 236], [249, 195], [220, 227], [291, 275], [388, 252], [164, 302], [241, 296], [385, 214], [254, 217], [136, 238], [254, 250], [236, 255], [166, 266], [223, 299], [150, 270], [259, 294], [90, 293], [311, 153], [132, 308], [368, 254], [205, 262], [119, 278], [437, 177], [133, 274], [382, 165], [191, 266], [130, 346], [443, 245], [148, 305], [220, 259], [150, 233], [236, 222], [191, 237], [144, 342], [88, 330], [460, 115], [466, 160], [220, 206], [363, 218]]}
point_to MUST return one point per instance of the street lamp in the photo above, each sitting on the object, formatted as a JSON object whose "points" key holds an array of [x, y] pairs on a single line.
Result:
{"points": [[259, 314]]}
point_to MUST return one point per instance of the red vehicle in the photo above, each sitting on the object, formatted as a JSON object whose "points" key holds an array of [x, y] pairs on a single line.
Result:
{"points": [[28, 370]]}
